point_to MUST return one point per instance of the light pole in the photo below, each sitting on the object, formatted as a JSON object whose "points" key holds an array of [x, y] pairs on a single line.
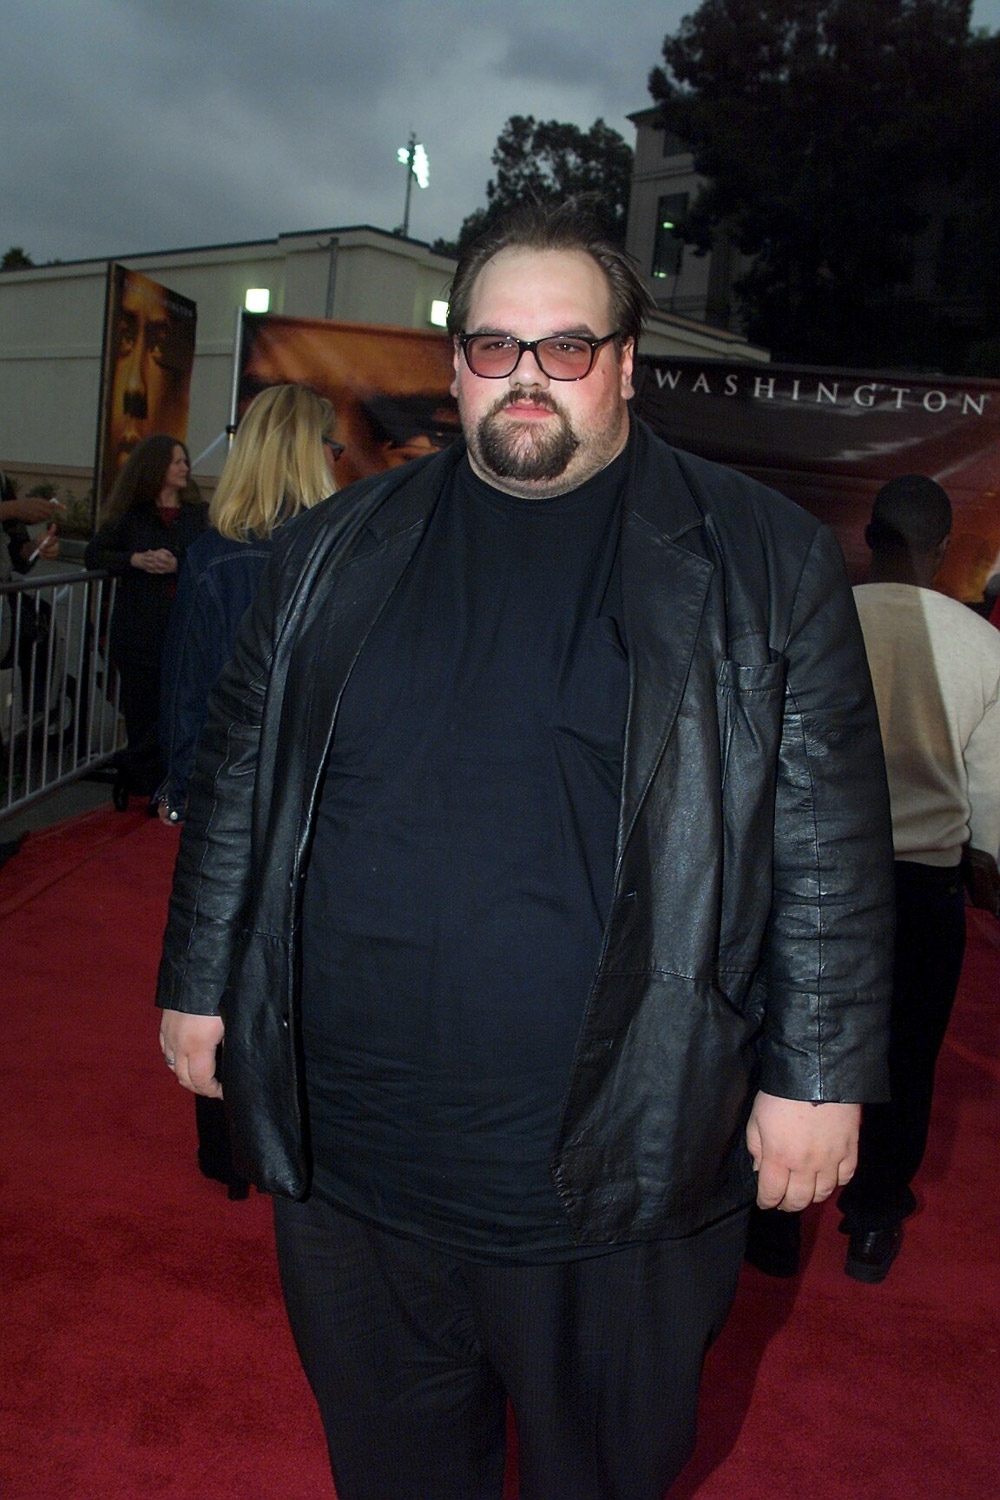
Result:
{"points": [[414, 158]]}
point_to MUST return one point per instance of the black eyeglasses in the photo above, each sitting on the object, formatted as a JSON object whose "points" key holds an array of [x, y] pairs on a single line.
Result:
{"points": [[336, 449], [562, 356]]}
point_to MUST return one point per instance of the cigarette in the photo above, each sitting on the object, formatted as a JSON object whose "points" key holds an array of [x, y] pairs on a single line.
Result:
{"points": [[46, 537]]}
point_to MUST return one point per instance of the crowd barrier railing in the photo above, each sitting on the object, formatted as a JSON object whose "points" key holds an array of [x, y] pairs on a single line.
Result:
{"points": [[59, 711]]}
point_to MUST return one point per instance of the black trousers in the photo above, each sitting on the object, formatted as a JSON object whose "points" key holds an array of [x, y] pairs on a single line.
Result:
{"points": [[140, 762], [412, 1355], [930, 946]]}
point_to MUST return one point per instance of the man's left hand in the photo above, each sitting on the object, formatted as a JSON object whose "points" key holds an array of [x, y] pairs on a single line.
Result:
{"points": [[189, 1045], [802, 1152]]}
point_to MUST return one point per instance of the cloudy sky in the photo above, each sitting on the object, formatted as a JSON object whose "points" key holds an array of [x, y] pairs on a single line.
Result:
{"points": [[134, 125]]}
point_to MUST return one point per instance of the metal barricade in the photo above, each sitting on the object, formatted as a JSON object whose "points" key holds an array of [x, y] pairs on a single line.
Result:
{"points": [[59, 716]]}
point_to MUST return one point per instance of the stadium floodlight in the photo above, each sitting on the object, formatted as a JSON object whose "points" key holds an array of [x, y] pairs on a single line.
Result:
{"points": [[413, 157]]}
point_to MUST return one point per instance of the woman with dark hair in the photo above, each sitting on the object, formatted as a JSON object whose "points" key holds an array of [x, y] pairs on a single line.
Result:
{"points": [[149, 519]]}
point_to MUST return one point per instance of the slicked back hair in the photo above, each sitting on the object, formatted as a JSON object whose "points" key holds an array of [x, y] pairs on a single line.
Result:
{"points": [[565, 226], [910, 511]]}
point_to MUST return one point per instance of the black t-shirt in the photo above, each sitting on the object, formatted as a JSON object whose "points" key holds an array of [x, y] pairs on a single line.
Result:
{"points": [[462, 868]]}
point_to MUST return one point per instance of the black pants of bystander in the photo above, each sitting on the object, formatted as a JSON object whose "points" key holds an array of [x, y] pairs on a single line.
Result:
{"points": [[930, 945]]}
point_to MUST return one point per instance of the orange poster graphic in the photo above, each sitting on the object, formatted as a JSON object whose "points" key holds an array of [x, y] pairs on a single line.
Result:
{"points": [[148, 356], [390, 387]]}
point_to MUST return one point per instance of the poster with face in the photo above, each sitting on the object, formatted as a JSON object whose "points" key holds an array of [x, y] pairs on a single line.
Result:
{"points": [[148, 356], [390, 387]]}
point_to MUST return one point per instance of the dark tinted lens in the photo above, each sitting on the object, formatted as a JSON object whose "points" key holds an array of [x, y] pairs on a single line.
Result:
{"points": [[563, 358], [489, 355]]}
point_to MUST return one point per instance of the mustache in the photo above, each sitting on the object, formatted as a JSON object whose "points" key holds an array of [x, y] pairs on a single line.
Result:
{"points": [[534, 395]]}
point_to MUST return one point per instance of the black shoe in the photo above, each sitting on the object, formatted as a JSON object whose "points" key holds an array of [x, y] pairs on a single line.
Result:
{"points": [[871, 1253], [773, 1241], [9, 849]]}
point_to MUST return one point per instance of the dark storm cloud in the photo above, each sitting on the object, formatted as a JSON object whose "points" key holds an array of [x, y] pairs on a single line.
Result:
{"points": [[131, 125], [588, 56]]}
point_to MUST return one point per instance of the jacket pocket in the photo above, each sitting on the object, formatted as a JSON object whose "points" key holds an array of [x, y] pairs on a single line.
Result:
{"points": [[750, 700]]}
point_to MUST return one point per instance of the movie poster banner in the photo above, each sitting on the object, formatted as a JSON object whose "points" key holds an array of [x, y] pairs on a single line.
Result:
{"points": [[390, 387], [829, 439], [149, 338], [826, 438]]}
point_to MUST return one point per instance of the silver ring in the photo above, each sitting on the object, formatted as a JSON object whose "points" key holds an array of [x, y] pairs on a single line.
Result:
{"points": [[171, 1062]]}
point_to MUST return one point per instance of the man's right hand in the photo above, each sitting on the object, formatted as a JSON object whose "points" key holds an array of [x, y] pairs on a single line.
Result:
{"points": [[189, 1044]]}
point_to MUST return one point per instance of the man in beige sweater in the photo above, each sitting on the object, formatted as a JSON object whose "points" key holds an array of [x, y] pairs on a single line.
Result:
{"points": [[935, 665]]}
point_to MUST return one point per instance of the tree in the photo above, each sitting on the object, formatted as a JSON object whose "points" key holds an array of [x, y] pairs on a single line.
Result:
{"points": [[549, 162], [15, 259], [830, 132]]}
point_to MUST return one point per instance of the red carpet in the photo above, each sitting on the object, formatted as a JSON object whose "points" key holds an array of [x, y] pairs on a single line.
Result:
{"points": [[143, 1346]]}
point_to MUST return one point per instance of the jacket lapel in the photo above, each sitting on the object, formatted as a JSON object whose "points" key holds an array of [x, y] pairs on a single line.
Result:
{"points": [[351, 584], [665, 583]]}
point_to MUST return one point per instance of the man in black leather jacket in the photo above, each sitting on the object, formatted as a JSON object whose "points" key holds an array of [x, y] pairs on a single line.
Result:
{"points": [[538, 873]]}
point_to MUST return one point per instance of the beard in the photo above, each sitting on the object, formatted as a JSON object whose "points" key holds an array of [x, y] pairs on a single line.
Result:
{"points": [[524, 452]]}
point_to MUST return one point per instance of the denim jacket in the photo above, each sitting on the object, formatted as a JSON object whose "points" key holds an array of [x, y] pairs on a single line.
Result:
{"points": [[214, 592]]}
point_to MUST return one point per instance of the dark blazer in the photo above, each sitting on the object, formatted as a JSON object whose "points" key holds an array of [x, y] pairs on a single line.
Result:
{"points": [[143, 600], [749, 939]]}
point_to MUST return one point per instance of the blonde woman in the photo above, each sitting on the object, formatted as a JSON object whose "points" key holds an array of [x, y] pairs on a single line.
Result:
{"points": [[281, 462]]}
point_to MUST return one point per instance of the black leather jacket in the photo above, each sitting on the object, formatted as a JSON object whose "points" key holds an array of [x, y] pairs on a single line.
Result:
{"points": [[749, 939]]}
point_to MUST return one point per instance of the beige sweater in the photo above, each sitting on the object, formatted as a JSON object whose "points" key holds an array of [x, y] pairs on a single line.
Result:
{"points": [[936, 669]]}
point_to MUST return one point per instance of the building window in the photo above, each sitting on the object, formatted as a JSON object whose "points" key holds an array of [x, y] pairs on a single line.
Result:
{"points": [[667, 248]]}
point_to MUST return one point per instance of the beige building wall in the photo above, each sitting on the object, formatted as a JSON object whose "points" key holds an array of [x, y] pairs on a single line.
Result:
{"points": [[700, 288], [51, 326], [667, 334]]}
